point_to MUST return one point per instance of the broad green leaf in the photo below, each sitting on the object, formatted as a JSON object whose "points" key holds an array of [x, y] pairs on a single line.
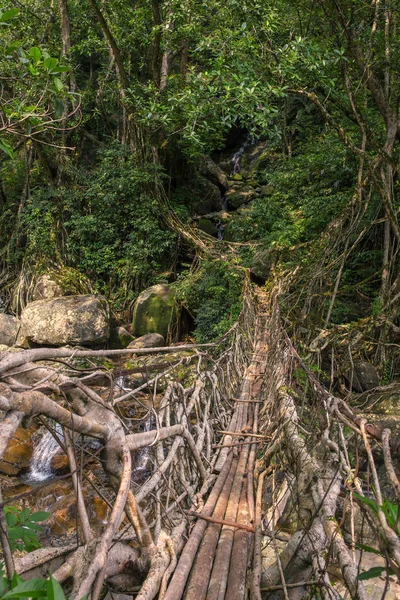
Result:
{"points": [[54, 590], [33, 588], [58, 84], [35, 53], [41, 515], [50, 63], [371, 573], [7, 15], [368, 549]]}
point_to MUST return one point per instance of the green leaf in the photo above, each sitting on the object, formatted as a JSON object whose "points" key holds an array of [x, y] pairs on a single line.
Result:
{"points": [[35, 53], [371, 573], [33, 588], [16, 579], [54, 590], [58, 84], [368, 549], [58, 107], [7, 15], [50, 63], [41, 515], [11, 519]]}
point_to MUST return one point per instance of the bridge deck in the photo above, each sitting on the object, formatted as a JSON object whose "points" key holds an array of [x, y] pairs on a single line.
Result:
{"points": [[216, 557]]}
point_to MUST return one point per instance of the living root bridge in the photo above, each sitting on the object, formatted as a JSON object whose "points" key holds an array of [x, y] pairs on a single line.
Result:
{"points": [[238, 448]]}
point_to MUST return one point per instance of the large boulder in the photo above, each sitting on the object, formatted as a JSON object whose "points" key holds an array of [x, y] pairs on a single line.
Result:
{"points": [[73, 320], [214, 173], [150, 340], [153, 311], [365, 377], [207, 196], [9, 327]]}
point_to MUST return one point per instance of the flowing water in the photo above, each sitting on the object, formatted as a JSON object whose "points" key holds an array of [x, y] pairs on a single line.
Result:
{"points": [[40, 468], [235, 160]]}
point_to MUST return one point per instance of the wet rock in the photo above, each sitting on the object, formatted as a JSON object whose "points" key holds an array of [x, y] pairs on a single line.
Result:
{"points": [[208, 196], [154, 310], [150, 340], [9, 327], [208, 226], [120, 338], [60, 464], [226, 166], [238, 196], [365, 377], [213, 173], [47, 289], [18, 453], [73, 320]]}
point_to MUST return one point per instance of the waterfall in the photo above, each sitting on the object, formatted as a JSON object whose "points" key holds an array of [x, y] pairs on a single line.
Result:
{"points": [[40, 467], [142, 457], [220, 230], [235, 160]]}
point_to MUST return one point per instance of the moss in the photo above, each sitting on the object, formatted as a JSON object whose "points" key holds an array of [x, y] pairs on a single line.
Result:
{"points": [[154, 310]]}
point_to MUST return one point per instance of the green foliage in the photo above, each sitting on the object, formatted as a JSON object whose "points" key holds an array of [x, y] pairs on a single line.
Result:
{"points": [[23, 528], [17, 589], [111, 229], [213, 295]]}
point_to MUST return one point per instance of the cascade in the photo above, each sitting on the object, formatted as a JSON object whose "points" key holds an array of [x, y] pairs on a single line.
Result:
{"points": [[235, 160], [40, 467]]}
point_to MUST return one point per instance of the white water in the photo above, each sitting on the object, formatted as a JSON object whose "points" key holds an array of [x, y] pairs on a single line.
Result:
{"points": [[235, 160], [40, 468], [142, 458]]}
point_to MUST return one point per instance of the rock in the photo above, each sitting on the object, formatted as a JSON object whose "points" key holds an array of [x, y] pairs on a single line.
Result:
{"points": [[120, 338], [208, 226], [364, 377], [226, 166], [208, 196], [238, 196], [73, 320], [153, 311], [9, 327], [237, 177], [261, 263], [47, 289], [150, 340], [213, 173], [60, 463], [18, 453]]}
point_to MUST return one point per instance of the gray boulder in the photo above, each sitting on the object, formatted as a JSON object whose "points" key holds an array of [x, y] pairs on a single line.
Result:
{"points": [[153, 311], [150, 340], [73, 320], [9, 327], [365, 377], [208, 196], [213, 173]]}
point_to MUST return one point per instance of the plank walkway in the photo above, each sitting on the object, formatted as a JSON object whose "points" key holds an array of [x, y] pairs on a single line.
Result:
{"points": [[215, 560]]}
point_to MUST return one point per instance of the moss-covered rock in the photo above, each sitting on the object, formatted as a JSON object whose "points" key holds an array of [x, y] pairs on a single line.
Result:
{"points": [[208, 226], [154, 310], [120, 338], [238, 196]]}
